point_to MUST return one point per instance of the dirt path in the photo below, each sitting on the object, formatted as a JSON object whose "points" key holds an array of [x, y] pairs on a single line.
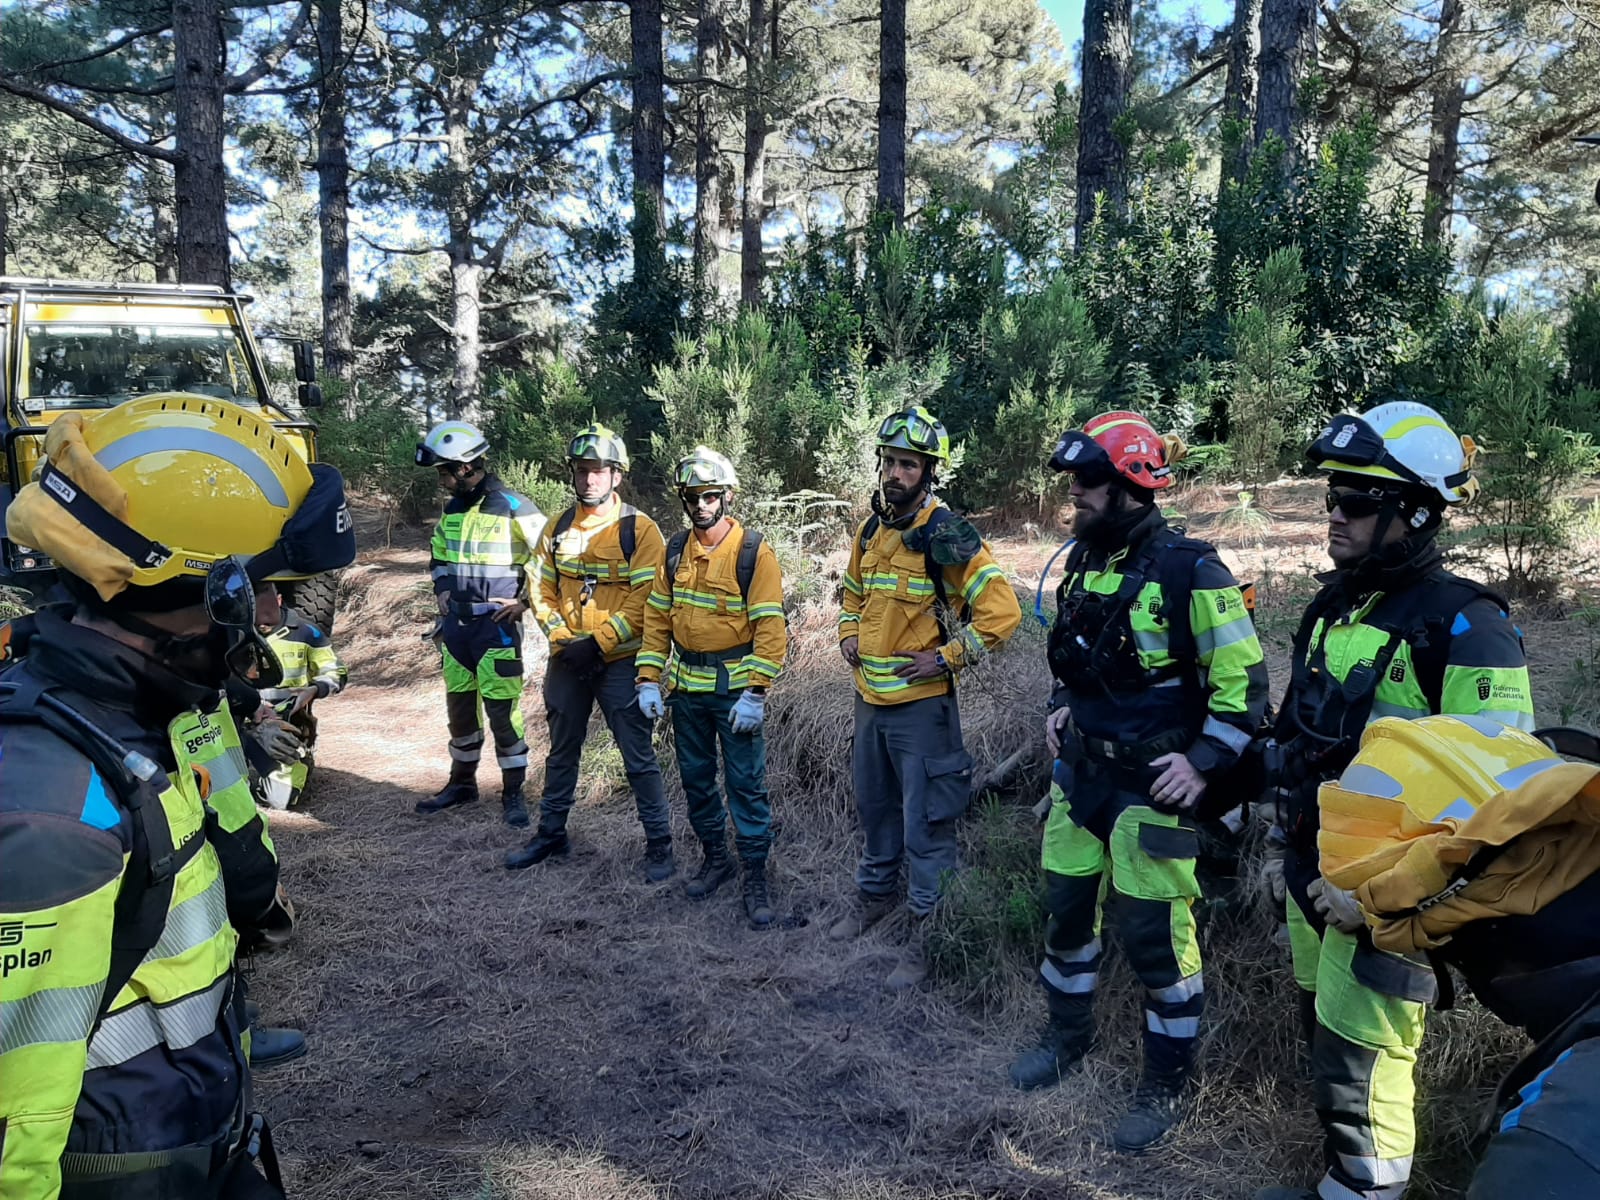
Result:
{"points": [[571, 1032]]}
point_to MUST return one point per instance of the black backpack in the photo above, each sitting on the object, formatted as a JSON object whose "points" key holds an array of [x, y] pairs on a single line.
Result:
{"points": [[626, 529], [744, 569]]}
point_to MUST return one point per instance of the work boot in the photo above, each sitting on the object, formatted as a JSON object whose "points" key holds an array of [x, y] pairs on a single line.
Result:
{"points": [[547, 843], [867, 911], [757, 905], [1060, 1049], [658, 862], [272, 1047], [912, 968], [1281, 1192], [449, 796], [1157, 1108], [513, 809], [715, 870]]}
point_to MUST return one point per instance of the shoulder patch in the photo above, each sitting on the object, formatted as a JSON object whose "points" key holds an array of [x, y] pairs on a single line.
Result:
{"points": [[1460, 625], [98, 810]]}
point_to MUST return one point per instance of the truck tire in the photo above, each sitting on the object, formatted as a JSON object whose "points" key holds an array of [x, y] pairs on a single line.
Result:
{"points": [[315, 599]]}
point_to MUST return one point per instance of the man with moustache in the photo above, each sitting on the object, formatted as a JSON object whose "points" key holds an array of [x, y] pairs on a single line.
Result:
{"points": [[596, 564], [1160, 686], [1391, 634], [911, 564], [483, 550]]}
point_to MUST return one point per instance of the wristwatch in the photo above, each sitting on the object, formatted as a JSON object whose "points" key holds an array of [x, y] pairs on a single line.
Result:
{"points": [[938, 658]]}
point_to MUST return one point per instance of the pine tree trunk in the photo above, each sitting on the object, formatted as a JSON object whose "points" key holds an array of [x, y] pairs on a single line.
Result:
{"points": [[466, 274], [753, 205], [649, 146], [333, 194], [1239, 96], [1288, 56], [1444, 124], [200, 178], [892, 109], [1107, 72], [707, 170]]}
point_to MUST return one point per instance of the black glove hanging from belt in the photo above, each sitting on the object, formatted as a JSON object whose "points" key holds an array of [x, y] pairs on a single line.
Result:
{"points": [[583, 657]]}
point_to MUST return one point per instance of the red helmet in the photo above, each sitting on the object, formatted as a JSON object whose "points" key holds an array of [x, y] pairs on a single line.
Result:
{"points": [[1116, 445]]}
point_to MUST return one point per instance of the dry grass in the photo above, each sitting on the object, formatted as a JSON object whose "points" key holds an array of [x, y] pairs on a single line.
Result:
{"points": [[571, 1032]]}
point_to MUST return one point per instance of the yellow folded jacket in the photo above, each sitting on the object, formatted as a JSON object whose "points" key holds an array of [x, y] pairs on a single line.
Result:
{"points": [[40, 522]]}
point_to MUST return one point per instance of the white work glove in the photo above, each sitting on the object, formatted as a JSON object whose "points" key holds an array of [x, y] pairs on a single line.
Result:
{"points": [[749, 710], [1270, 874], [279, 739], [1336, 906], [650, 702]]}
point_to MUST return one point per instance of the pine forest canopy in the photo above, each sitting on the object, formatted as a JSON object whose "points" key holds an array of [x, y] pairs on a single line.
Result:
{"points": [[446, 191]]}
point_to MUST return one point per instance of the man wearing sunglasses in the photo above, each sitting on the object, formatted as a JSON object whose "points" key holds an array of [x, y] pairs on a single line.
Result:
{"points": [[131, 854], [482, 563], [913, 564], [1391, 634], [1159, 689], [716, 612]]}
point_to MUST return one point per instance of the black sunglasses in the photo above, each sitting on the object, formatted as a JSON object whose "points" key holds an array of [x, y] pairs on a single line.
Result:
{"points": [[1355, 505], [696, 497]]}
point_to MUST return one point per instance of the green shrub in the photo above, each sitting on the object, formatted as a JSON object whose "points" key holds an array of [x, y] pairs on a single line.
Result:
{"points": [[371, 436], [1272, 375], [1538, 445]]}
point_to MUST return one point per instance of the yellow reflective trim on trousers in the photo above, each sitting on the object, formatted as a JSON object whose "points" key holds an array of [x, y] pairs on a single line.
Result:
{"points": [[1305, 948], [1135, 873], [1068, 848], [1357, 1013]]}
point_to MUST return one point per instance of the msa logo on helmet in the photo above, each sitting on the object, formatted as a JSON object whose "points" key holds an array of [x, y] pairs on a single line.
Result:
{"points": [[1343, 438], [18, 957], [61, 488], [197, 564], [1485, 688]]}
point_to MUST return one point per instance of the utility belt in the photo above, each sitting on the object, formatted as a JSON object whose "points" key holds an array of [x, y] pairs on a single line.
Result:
{"points": [[204, 1171], [1121, 767], [714, 658], [465, 611], [1293, 773]]}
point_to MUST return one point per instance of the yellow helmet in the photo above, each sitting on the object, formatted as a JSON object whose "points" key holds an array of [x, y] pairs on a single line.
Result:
{"points": [[1412, 778], [165, 486]]}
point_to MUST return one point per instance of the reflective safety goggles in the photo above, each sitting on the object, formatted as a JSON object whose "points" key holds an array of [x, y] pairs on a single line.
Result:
{"points": [[589, 446], [1355, 505], [696, 473], [231, 609], [921, 434]]}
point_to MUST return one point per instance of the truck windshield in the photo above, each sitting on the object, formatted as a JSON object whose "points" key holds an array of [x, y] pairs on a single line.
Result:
{"points": [[84, 364]]}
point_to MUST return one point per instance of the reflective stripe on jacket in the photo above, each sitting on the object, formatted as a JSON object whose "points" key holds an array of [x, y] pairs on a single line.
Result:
{"points": [[702, 610], [307, 657], [484, 545], [889, 605], [613, 611]]}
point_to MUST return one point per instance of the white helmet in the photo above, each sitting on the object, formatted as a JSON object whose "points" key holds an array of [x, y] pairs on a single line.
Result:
{"points": [[1404, 442], [452, 441], [703, 467]]}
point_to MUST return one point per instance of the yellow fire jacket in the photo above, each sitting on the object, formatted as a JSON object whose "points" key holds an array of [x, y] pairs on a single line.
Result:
{"points": [[589, 588], [702, 611], [889, 605], [1554, 818]]}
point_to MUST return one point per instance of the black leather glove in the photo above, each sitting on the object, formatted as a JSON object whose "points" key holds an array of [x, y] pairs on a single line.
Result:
{"points": [[583, 657]]}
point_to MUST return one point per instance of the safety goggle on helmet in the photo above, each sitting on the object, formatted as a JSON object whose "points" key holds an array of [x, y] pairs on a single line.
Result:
{"points": [[705, 468], [596, 443], [1115, 445], [915, 429], [1399, 443]]}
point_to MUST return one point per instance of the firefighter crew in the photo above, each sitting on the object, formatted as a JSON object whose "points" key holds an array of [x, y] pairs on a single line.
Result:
{"points": [[1391, 634], [716, 610], [1159, 688], [311, 671], [1481, 844], [597, 562], [912, 563], [483, 550], [130, 850]]}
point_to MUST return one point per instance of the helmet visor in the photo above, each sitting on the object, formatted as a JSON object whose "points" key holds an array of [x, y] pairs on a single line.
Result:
{"points": [[1081, 454], [696, 472], [231, 608], [921, 434]]}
